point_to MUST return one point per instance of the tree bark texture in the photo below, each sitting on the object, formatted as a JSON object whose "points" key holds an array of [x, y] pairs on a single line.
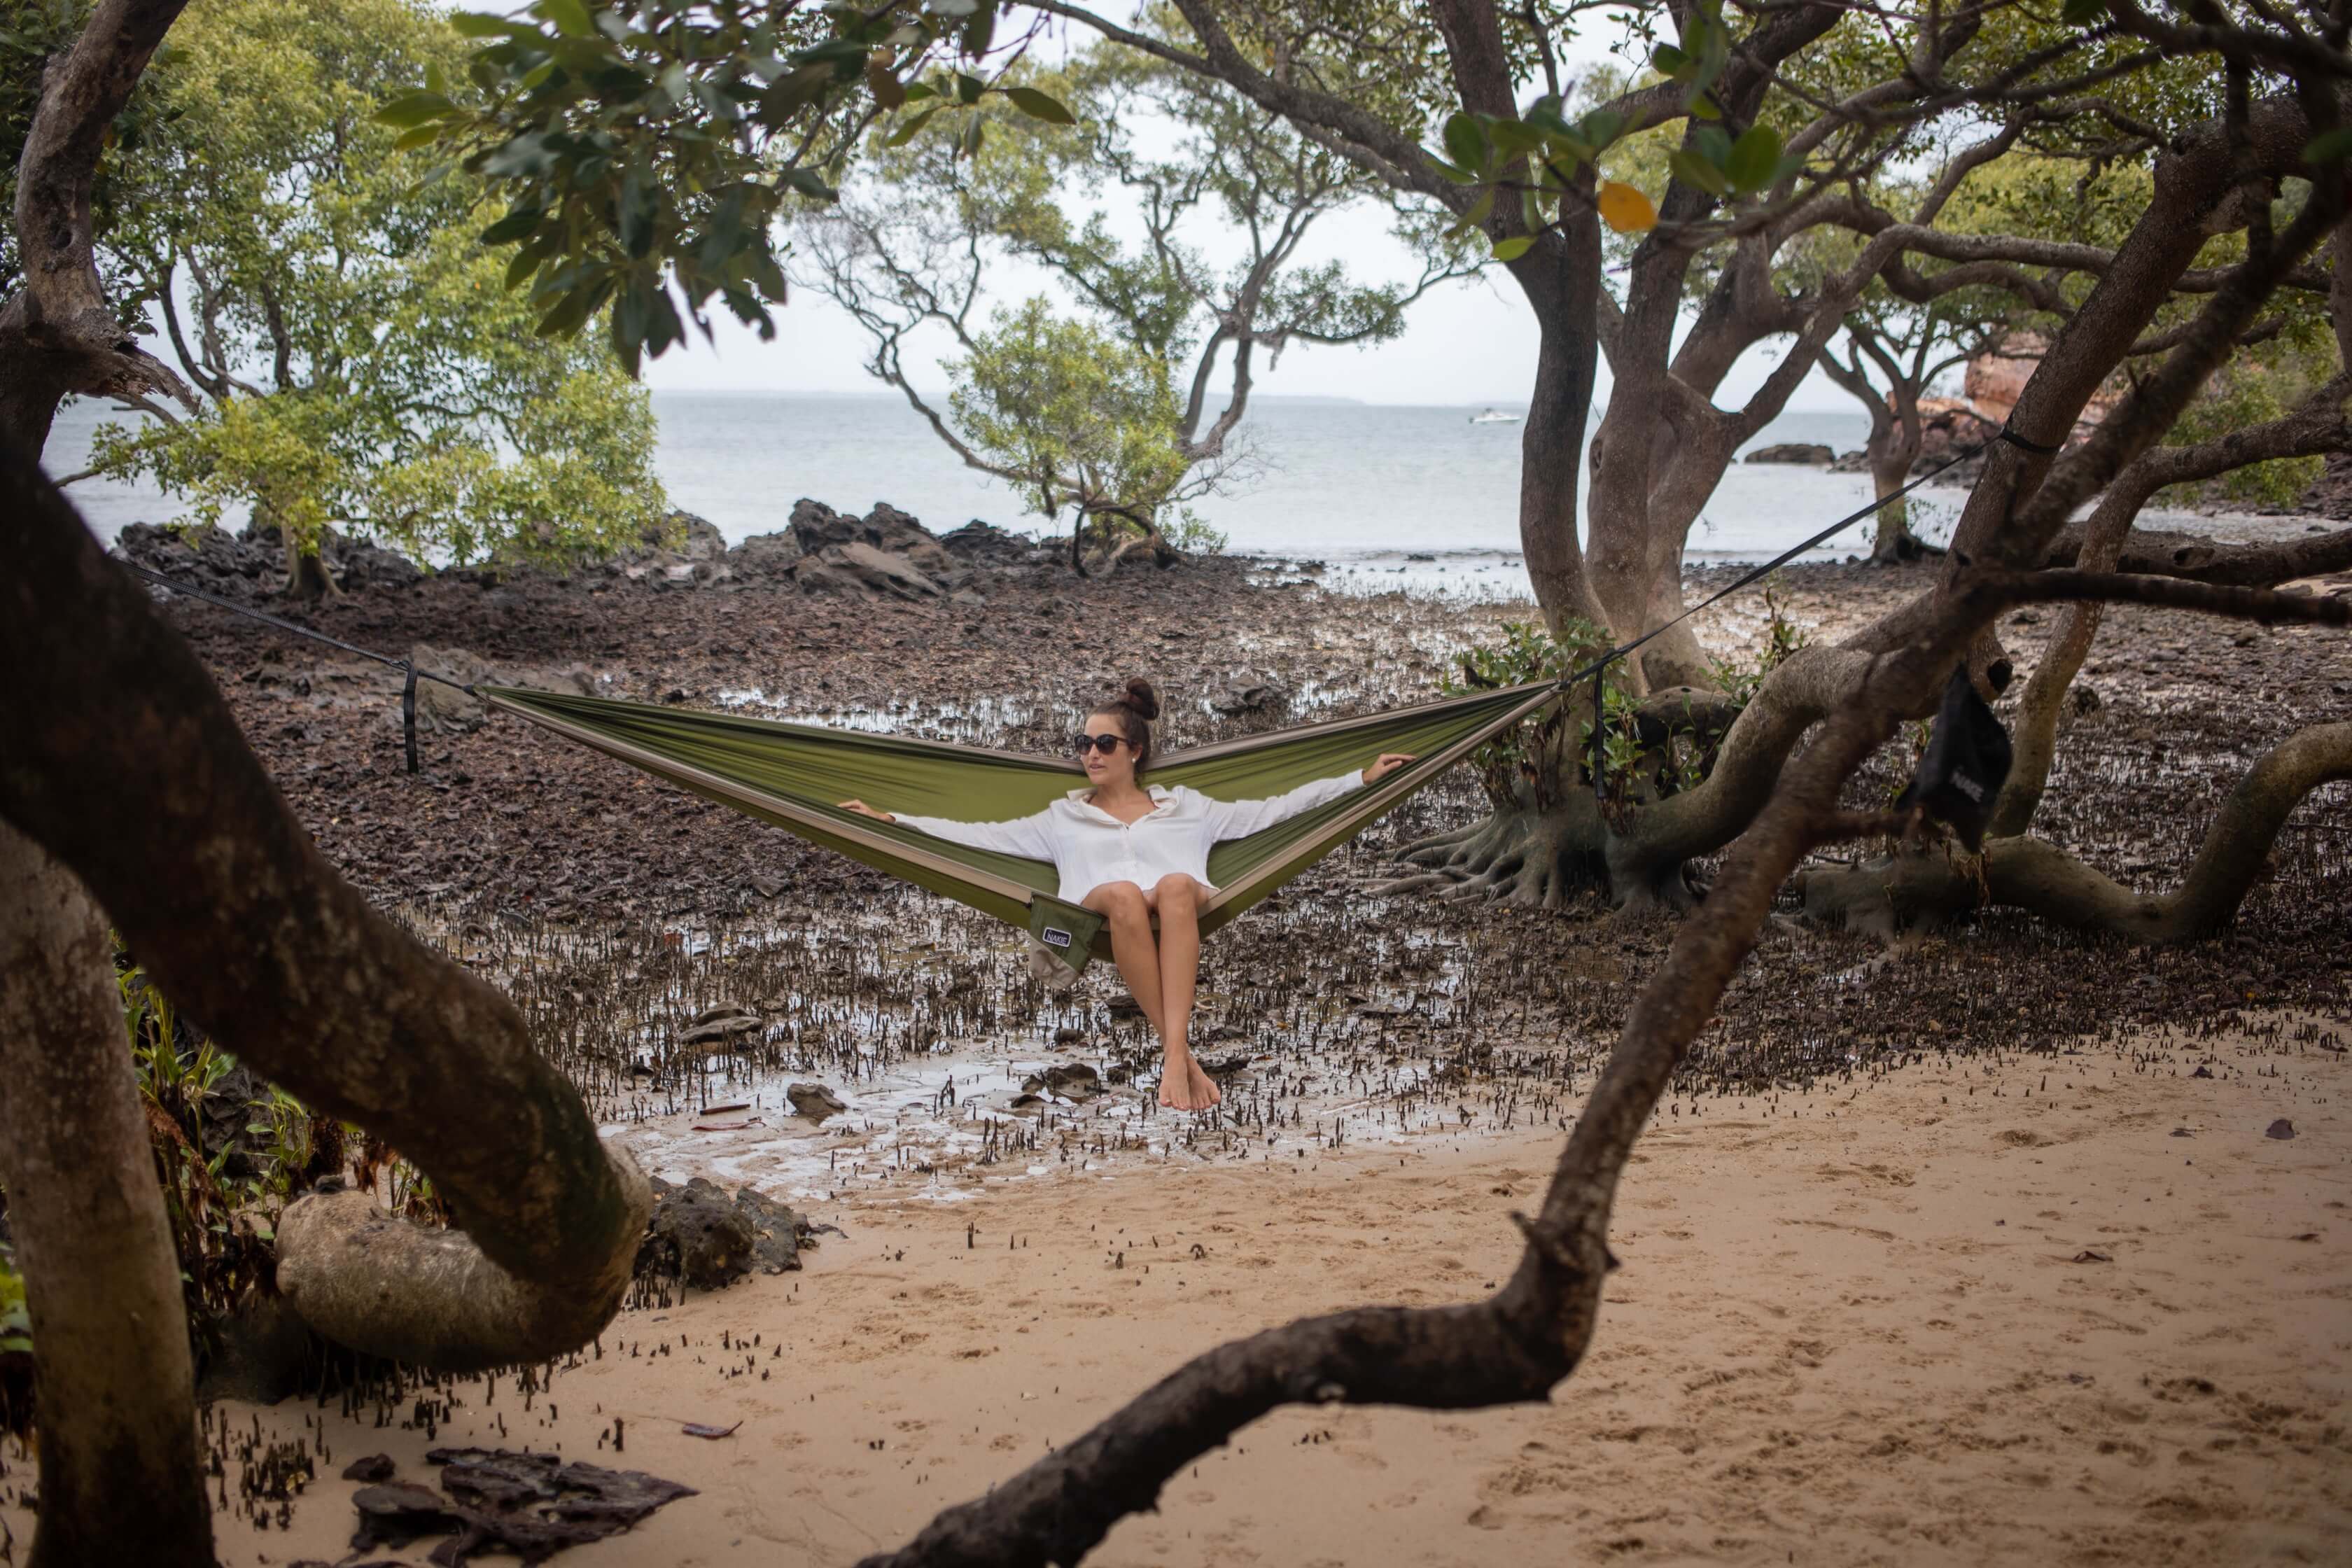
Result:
{"points": [[125, 763], [121, 1477]]}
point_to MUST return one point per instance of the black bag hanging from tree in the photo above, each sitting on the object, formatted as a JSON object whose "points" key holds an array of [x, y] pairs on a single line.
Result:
{"points": [[1964, 766]]}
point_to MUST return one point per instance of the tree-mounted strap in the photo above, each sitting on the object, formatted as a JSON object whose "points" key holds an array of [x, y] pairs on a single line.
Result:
{"points": [[2015, 439]]}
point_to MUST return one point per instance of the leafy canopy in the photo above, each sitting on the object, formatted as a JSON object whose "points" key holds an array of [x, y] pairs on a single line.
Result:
{"points": [[361, 362], [642, 144]]}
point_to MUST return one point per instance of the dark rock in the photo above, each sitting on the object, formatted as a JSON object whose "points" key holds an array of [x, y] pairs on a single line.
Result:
{"points": [[530, 1505], [1854, 462], [1069, 1037], [2281, 1128], [765, 556], [814, 1101], [1792, 452], [858, 566], [699, 1234], [979, 544], [372, 1471], [817, 528], [780, 1233], [1250, 694], [719, 1024], [682, 552], [1071, 1080], [261, 1352]]}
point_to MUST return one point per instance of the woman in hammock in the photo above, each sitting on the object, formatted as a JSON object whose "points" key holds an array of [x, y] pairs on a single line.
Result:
{"points": [[1128, 850]]}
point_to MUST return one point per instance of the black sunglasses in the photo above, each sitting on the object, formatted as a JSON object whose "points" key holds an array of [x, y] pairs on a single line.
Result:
{"points": [[1107, 744]]}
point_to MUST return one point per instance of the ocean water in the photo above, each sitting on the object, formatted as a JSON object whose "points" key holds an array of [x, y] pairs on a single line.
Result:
{"points": [[1384, 495]]}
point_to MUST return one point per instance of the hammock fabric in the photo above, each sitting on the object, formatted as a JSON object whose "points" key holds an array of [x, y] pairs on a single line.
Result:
{"points": [[792, 775]]}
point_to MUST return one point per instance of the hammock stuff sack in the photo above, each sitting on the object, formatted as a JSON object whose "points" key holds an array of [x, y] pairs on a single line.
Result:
{"points": [[1967, 762], [792, 775]]}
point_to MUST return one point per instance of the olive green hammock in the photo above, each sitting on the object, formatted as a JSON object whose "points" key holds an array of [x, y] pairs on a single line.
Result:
{"points": [[792, 775]]}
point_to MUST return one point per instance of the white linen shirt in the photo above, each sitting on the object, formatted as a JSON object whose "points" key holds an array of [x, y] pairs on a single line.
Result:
{"points": [[1089, 847]]}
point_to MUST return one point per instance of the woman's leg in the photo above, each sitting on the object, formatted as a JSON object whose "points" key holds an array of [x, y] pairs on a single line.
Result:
{"points": [[1183, 1084], [1132, 947]]}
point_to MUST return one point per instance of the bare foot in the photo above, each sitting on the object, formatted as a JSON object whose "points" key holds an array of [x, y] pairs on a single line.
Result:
{"points": [[1183, 1086]]}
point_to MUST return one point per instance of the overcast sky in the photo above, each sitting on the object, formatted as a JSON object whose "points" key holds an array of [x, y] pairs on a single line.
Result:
{"points": [[1466, 342]]}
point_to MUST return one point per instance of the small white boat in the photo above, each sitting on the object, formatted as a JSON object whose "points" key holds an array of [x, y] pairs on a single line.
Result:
{"points": [[1492, 416]]}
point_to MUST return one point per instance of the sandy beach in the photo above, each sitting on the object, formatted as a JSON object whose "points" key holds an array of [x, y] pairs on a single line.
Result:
{"points": [[2074, 1307]]}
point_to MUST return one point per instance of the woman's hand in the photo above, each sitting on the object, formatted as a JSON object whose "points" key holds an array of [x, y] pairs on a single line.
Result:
{"points": [[1385, 765], [862, 809]]}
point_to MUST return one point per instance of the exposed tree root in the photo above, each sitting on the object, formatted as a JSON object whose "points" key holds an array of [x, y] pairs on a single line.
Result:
{"points": [[365, 1278], [1536, 861], [1908, 889]]}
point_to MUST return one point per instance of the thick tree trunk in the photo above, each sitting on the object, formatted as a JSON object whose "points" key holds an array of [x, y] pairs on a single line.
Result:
{"points": [[1890, 470], [1561, 277], [115, 1400], [124, 761]]}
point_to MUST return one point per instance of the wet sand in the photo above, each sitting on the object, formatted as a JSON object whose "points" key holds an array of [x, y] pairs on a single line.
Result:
{"points": [[2072, 1307]]}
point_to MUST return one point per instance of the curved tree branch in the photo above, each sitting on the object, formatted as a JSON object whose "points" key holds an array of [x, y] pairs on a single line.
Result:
{"points": [[2043, 879], [125, 763]]}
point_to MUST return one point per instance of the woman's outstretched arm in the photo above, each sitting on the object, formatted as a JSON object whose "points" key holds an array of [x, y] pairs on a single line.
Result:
{"points": [[1239, 818], [1030, 835]]}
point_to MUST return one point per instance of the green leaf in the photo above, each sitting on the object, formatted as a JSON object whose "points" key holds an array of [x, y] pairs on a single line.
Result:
{"points": [[2332, 148], [1704, 107], [570, 16], [886, 88], [969, 88], [794, 93], [412, 108], [1712, 143], [1600, 127], [409, 140], [1668, 61], [910, 127], [1460, 176], [809, 182], [518, 225], [1040, 106], [1465, 141], [1514, 138], [639, 209], [475, 25], [1694, 170], [1511, 249], [980, 32], [1752, 158]]}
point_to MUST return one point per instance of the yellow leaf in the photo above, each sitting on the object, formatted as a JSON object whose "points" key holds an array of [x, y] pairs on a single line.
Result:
{"points": [[1625, 209]]}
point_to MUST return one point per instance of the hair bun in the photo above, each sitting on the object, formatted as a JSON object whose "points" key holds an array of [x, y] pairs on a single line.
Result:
{"points": [[1142, 698]]}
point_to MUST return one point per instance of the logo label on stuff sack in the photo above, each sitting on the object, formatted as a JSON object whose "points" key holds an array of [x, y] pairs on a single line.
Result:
{"points": [[1056, 937]]}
